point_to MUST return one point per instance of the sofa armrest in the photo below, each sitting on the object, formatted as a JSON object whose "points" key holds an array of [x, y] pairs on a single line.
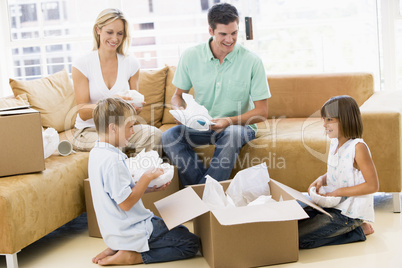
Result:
{"points": [[382, 123]]}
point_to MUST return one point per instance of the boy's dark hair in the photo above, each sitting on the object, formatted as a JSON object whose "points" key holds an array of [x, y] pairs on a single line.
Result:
{"points": [[346, 110], [111, 111], [223, 13]]}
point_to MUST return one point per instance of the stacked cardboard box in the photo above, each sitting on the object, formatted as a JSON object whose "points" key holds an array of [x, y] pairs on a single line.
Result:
{"points": [[20, 142]]}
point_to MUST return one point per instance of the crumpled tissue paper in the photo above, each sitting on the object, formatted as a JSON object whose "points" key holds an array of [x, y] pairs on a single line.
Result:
{"points": [[248, 187], [195, 116], [214, 195], [50, 141], [144, 161], [249, 184]]}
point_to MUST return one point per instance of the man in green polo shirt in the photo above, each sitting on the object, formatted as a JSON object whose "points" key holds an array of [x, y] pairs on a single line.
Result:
{"points": [[228, 80]]}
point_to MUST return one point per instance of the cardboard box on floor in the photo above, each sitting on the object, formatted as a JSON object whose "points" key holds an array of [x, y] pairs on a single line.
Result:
{"points": [[147, 199], [247, 236], [21, 142]]}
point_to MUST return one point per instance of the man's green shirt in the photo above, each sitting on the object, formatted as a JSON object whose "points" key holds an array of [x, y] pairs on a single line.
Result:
{"points": [[227, 89]]}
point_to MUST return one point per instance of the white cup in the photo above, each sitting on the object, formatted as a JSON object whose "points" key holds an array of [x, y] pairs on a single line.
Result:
{"points": [[65, 148]]}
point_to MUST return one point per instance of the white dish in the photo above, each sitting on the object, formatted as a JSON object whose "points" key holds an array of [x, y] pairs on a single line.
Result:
{"points": [[137, 97], [164, 178], [324, 201]]}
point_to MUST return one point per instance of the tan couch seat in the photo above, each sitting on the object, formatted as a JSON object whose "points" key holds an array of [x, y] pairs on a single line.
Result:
{"points": [[33, 205]]}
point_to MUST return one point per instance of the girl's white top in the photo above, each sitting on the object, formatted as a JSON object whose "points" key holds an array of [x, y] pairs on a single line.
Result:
{"points": [[341, 173]]}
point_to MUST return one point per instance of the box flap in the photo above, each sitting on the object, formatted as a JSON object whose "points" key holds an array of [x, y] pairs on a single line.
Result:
{"points": [[10, 111], [180, 207], [14, 108], [299, 196], [270, 212]]}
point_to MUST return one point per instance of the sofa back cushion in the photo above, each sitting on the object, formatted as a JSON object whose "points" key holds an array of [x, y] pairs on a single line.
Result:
{"points": [[152, 86], [52, 96], [11, 101], [170, 90], [298, 96]]}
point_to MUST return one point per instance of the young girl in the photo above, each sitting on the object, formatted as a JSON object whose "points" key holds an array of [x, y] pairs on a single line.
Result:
{"points": [[351, 174]]}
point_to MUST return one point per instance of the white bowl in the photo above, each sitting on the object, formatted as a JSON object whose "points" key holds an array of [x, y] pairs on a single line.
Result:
{"points": [[324, 201], [164, 178], [137, 98]]}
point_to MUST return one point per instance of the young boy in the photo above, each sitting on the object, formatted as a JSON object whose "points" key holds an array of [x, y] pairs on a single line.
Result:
{"points": [[132, 233]]}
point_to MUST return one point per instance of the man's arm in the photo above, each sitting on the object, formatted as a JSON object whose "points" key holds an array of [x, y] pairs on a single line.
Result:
{"points": [[177, 101], [258, 114]]}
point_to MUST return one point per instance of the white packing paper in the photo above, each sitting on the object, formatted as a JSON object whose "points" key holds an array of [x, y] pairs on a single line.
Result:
{"points": [[144, 161], [50, 141], [249, 187], [213, 195], [249, 184], [194, 116]]}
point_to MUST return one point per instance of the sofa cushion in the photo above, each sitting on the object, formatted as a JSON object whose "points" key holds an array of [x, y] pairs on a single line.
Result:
{"points": [[152, 86], [170, 90], [20, 100], [292, 93], [52, 96]]}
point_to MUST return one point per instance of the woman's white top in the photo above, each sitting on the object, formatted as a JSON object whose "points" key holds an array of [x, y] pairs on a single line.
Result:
{"points": [[90, 67], [341, 173]]}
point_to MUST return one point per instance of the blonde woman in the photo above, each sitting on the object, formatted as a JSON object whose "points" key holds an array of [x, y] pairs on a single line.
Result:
{"points": [[108, 71]]}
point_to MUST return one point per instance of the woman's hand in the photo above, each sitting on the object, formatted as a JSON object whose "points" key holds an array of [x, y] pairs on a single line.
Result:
{"points": [[138, 109]]}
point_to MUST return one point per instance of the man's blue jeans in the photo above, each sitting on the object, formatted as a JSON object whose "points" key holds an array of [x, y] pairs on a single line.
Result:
{"points": [[179, 141], [165, 245], [322, 230]]}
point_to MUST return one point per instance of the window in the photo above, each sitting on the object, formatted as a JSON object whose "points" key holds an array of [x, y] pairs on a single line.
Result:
{"points": [[204, 4], [51, 11], [151, 6], [291, 36]]}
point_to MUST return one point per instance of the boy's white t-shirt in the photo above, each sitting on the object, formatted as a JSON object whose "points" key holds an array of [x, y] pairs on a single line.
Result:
{"points": [[111, 184], [342, 173], [89, 66]]}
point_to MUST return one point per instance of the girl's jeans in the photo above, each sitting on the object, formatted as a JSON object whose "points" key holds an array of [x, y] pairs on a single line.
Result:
{"points": [[165, 245], [179, 141], [321, 230]]}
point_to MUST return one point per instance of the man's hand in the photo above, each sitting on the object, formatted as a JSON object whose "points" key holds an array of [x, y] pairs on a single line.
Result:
{"points": [[174, 107], [220, 124]]}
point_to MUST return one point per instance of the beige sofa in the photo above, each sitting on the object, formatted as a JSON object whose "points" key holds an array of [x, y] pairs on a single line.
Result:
{"points": [[291, 142]]}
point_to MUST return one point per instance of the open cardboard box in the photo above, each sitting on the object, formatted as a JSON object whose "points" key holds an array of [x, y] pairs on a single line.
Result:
{"points": [[247, 236], [21, 141]]}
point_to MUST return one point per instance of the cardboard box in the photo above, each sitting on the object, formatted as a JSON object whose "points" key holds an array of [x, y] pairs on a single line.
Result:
{"points": [[21, 142], [243, 236], [147, 199]]}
